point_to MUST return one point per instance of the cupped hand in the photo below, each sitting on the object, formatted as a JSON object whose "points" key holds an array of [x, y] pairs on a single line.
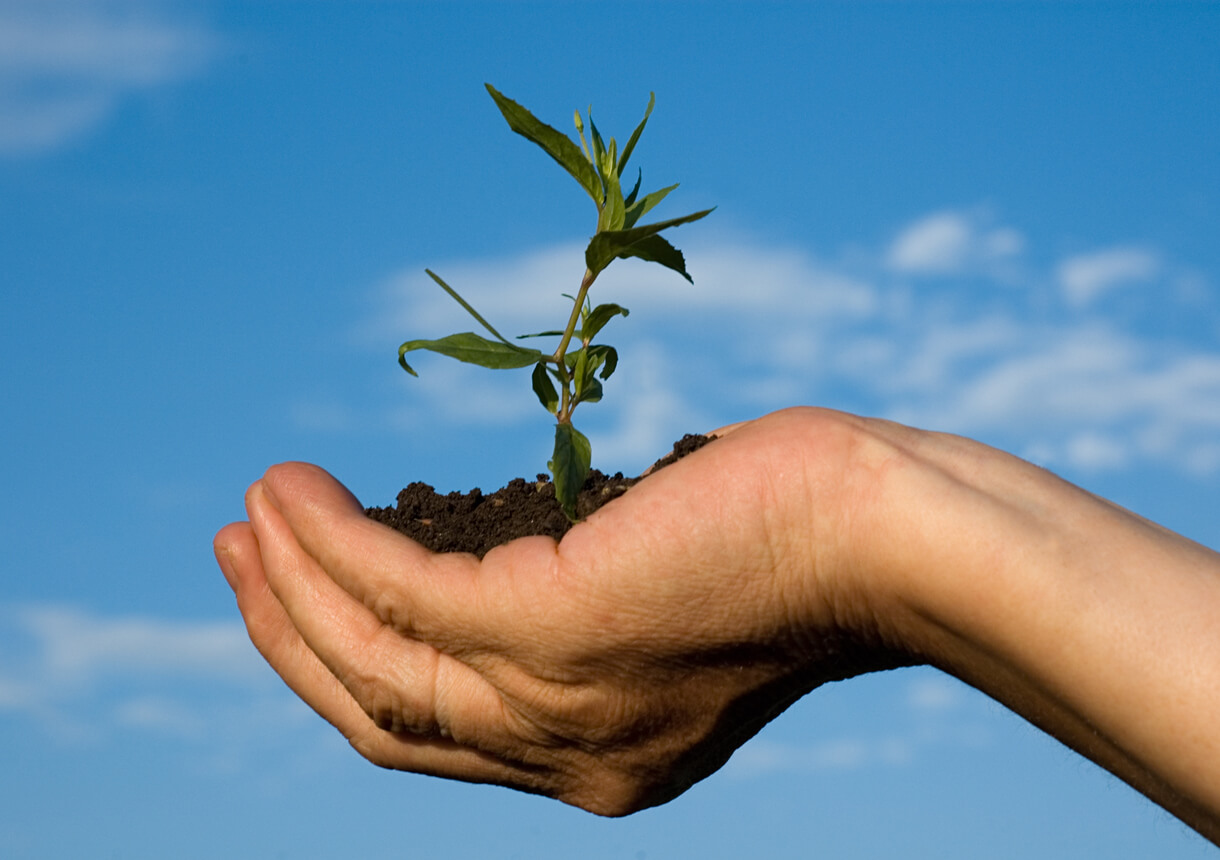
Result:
{"points": [[611, 670]]}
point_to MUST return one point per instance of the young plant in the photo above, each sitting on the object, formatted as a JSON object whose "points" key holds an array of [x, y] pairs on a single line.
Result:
{"points": [[577, 365]]}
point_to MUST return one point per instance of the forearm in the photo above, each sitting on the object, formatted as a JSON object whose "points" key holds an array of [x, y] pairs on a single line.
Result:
{"points": [[1099, 627]]}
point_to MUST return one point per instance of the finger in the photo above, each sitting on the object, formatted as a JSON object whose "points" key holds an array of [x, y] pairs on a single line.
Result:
{"points": [[277, 639], [401, 683], [273, 634], [417, 592]]}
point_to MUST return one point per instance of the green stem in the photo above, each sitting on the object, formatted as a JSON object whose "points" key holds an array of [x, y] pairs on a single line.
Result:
{"points": [[565, 411]]}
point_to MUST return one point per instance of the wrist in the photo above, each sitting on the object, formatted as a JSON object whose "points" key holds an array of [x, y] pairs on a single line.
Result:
{"points": [[827, 527], [1087, 620]]}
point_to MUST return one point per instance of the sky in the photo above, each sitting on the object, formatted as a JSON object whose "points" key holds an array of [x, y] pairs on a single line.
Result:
{"points": [[994, 219]]}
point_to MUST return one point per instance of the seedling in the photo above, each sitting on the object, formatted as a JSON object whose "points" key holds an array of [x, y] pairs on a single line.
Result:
{"points": [[577, 365]]}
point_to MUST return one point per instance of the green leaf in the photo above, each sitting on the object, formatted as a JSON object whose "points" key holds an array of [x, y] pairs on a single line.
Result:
{"points": [[635, 135], [594, 357], [555, 143], [591, 392], [655, 249], [630, 199], [570, 466], [581, 372], [598, 318], [611, 159], [605, 357], [547, 395], [472, 349], [639, 208], [555, 333], [613, 211], [599, 148], [461, 301], [605, 246]]}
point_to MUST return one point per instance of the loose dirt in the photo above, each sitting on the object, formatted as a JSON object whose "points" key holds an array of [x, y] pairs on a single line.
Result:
{"points": [[475, 522]]}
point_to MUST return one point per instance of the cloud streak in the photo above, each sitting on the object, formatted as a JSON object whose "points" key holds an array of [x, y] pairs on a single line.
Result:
{"points": [[75, 646], [1085, 277], [79, 674], [950, 242], [983, 342], [927, 714], [66, 65]]}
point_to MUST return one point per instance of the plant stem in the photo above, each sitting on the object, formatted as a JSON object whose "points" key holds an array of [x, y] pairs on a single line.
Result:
{"points": [[565, 411]]}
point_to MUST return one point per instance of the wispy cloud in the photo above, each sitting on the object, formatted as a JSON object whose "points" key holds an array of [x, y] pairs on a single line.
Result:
{"points": [[79, 674], [981, 343], [66, 65], [927, 712], [950, 242], [1086, 276], [843, 753], [75, 646], [1086, 395]]}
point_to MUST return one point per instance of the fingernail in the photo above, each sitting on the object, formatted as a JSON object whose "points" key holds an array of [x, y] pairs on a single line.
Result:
{"points": [[225, 560], [265, 486]]}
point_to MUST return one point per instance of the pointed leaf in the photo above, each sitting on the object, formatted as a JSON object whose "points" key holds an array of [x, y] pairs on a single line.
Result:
{"points": [[555, 143], [630, 199], [596, 320], [547, 395], [473, 349], [613, 211], [555, 333], [570, 466], [640, 207], [611, 160], [635, 135], [655, 249], [461, 301], [599, 146], [604, 247]]}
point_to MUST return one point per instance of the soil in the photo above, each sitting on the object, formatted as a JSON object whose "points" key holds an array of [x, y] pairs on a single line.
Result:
{"points": [[474, 522]]}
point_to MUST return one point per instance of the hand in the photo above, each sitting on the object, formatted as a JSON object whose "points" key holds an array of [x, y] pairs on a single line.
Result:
{"points": [[610, 671], [616, 668]]}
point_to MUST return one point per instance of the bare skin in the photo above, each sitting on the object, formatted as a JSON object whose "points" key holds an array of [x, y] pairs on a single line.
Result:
{"points": [[617, 668]]}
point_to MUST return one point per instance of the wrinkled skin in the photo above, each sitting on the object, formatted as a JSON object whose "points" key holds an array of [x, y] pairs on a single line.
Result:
{"points": [[611, 671], [614, 669]]}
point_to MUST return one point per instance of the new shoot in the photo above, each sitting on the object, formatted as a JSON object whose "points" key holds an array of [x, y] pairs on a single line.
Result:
{"points": [[573, 372]]}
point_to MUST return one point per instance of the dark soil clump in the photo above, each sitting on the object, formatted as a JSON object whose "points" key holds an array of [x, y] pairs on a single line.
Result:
{"points": [[474, 522]]}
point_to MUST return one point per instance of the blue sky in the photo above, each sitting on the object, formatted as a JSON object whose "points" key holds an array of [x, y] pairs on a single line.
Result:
{"points": [[997, 219]]}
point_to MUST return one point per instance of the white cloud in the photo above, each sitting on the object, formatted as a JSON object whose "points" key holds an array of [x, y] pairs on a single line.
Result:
{"points": [[68, 654], [162, 716], [938, 243], [81, 677], [524, 293], [766, 327], [846, 753], [949, 242], [1092, 396], [1093, 451], [1085, 277], [935, 693], [650, 419], [738, 292], [925, 711], [66, 65], [73, 645]]}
